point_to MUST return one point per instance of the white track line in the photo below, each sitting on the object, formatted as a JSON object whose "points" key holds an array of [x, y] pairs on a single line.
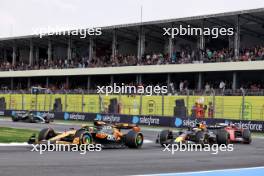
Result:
{"points": [[201, 172], [13, 144], [146, 141], [16, 144]]}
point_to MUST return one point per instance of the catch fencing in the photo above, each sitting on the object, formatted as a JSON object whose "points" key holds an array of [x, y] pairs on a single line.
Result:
{"points": [[240, 107]]}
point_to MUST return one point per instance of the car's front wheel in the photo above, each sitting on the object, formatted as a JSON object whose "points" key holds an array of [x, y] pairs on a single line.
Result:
{"points": [[246, 134], [46, 134], [134, 139], [222, 137]]}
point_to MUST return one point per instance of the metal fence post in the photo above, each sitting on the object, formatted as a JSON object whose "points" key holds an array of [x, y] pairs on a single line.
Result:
{"points": [[140, 105], [22, 102], [213, 91], [222, 105], [36, 102], [187, 101], [82, 102], [100, 103], [50, 102], [45, 99], [65, 101], [243, 104], [162, 106], [10, 101], [119, 102]]}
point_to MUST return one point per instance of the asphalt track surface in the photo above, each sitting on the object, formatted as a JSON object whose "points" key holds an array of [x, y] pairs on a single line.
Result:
{"points": [[20, 161]]}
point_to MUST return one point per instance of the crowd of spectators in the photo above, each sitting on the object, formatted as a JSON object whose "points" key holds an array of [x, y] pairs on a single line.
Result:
{"points": [[223, 55], [222, 87], [253, 85], [185, 55], [227, 55], [251, 54]]}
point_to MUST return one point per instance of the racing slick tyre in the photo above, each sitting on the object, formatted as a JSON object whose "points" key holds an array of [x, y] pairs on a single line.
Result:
{"points": [[84, 137], [222, 137], [246, 134], [134, 139], [47, 120], [46, 134], [30, 119], [200, 138], [15, 118], [164, 136]]}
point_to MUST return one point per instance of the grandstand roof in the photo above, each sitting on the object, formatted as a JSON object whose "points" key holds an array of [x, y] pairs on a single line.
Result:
{"points": [[220, 19]]}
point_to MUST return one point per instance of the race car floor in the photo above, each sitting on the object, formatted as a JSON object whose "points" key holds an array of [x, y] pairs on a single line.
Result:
{"points": [[151, 159]]}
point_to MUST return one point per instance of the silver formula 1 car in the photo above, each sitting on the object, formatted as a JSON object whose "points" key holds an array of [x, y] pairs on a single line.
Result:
{"points": [[31, 117]]}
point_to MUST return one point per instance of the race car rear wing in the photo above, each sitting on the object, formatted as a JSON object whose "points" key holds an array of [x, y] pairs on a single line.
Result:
{"points": [[124, 125], [217, 126], [116, 125], [119, 126]]}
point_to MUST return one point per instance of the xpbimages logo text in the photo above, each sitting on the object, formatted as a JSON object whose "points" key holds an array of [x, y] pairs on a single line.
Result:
{"points": [[50, 147], [197, 31], [58, 30], [130, 89], [192, 147]]}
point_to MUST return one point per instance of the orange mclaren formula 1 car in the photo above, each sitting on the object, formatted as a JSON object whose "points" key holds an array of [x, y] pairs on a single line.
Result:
{"points": [[108, 135]]}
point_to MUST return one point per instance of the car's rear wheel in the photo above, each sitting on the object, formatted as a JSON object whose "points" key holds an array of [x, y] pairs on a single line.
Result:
{"points": [[200, 138], [246, 134], [47, 120], [134, 139], [164, 136], [85, 137], [15, 118], [46, 134], [222, 137]]}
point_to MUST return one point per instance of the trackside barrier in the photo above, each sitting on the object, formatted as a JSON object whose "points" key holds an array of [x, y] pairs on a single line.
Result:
{"points": [[233, 107], [162, 121]]}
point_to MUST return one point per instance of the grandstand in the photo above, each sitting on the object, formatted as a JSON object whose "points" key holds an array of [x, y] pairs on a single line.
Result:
{"points": [[140, 54]]}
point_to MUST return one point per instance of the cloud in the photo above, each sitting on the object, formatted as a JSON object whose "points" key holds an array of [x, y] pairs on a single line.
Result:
{"points": [[26, 15]]}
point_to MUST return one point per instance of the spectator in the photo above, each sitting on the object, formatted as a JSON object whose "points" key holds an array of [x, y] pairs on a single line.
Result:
{"points": [[211, 110], [171, 88], [181, 86], [207, 88], [222, 86]]}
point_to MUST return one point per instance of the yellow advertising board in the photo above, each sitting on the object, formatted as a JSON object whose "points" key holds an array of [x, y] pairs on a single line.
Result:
{"points": [[229, 107]]}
